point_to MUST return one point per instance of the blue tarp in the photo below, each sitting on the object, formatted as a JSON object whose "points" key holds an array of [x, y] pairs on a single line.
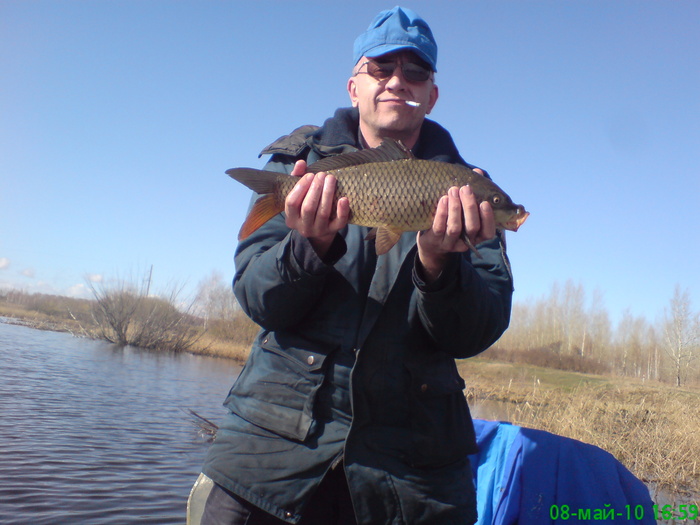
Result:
{"points": [[532, 477]]}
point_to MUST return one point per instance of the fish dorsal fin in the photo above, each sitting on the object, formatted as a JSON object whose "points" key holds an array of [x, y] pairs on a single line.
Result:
{"points": [[387, 151]]}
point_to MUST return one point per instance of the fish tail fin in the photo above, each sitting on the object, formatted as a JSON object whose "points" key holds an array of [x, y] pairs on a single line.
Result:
{"points": [[260, 181], [264, 209], [267, 206]]}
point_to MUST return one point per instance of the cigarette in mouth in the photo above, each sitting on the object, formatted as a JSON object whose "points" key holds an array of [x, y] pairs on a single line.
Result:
{"points": [[413, 103]]}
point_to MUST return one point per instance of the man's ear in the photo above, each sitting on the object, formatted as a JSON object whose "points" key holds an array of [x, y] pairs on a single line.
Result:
{"points": [[434, 94], [352, 91]]}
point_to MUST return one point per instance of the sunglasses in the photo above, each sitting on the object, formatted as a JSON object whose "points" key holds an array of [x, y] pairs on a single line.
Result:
{"points": [[385, 70]]}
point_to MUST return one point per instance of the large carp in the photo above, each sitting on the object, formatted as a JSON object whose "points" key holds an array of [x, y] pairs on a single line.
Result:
{"points": [[388, 189]]}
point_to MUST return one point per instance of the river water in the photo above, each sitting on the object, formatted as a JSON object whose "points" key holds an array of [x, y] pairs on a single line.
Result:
{"points": [[94, 433]]}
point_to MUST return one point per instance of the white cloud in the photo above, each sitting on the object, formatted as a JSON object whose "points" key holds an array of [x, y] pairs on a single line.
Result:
{"points": [[94, 277], [28, 272], [79, 291], [4, 263]]}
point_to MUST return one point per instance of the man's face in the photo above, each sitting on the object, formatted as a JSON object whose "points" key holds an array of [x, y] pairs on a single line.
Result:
{"points": [[382, 103]]}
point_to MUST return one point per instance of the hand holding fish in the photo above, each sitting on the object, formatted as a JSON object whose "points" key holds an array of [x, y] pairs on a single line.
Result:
{"points": [[458, 213], [310, 208]]}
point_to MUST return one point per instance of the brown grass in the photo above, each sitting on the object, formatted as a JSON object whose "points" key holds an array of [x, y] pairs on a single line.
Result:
{"points": [[212, 346], [43, 321]]}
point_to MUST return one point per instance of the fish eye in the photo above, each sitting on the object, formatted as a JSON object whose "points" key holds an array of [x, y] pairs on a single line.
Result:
{"points": [[496, 199]]}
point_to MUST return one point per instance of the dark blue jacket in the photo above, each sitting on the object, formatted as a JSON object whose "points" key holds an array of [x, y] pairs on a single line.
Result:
{"points": [[355, 361]]}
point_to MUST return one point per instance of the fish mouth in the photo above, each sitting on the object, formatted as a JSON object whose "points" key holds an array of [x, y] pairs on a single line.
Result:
{"points": [[517, 221]]}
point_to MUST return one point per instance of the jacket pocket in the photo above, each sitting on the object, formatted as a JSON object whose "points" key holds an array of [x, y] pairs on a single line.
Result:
{"points": [[277, 387], [442, 428]]}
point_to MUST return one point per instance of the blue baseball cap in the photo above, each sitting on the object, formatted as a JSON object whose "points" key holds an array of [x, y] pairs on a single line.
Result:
{"points": [[395, 29]]}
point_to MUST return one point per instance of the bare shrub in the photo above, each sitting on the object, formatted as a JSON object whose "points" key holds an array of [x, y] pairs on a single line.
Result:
{"points": [[162, 326], [126, 315], [114, 312]]}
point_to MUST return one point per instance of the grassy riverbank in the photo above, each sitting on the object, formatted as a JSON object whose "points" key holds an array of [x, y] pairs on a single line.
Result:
{"points": [[205, 344], [76, 316], [653, 429]]}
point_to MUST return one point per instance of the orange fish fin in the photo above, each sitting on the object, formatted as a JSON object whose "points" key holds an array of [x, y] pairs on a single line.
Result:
{"points": [[386, 239], [264, 209]]}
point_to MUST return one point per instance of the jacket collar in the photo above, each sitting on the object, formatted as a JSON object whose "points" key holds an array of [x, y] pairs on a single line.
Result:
{"points": [[340, 134]]}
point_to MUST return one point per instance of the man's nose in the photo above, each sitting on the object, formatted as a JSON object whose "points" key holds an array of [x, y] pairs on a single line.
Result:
{"points": [[396, 80]]}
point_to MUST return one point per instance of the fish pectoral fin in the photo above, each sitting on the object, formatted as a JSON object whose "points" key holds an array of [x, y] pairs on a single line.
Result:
{"points": [[264, 209], [385, 239], [465, 239]]}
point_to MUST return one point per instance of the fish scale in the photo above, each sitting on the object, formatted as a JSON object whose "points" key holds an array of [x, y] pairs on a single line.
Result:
{"points": [[377, 198], [387, 190]]}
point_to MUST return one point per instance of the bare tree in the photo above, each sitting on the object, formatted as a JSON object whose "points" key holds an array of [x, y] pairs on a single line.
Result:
{"points": [[215, 299], [681, 330], [598, 328], [630, 342], [573, 317]]}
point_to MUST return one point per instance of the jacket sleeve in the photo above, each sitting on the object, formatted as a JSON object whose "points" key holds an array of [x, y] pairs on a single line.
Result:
{"points": [[468, 308], [279, 276]]}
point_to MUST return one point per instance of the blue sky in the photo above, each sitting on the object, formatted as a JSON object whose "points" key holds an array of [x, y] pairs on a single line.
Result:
{"points": [[119, 118]]}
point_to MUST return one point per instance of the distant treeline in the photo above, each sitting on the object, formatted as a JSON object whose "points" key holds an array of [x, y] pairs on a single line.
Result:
{"points": [[563, 330], [566, 330]]}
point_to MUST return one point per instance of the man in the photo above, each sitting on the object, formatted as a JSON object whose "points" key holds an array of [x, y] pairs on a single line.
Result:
{"points": [[350, 408]]}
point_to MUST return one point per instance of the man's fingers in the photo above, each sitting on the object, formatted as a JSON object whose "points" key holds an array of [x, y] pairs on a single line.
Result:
{"points": [[470, 209], [299, 168], [454, 215], [325, 207], [342, 214], [440, 219], [488, 222], [310, 206], [293, 202]]}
